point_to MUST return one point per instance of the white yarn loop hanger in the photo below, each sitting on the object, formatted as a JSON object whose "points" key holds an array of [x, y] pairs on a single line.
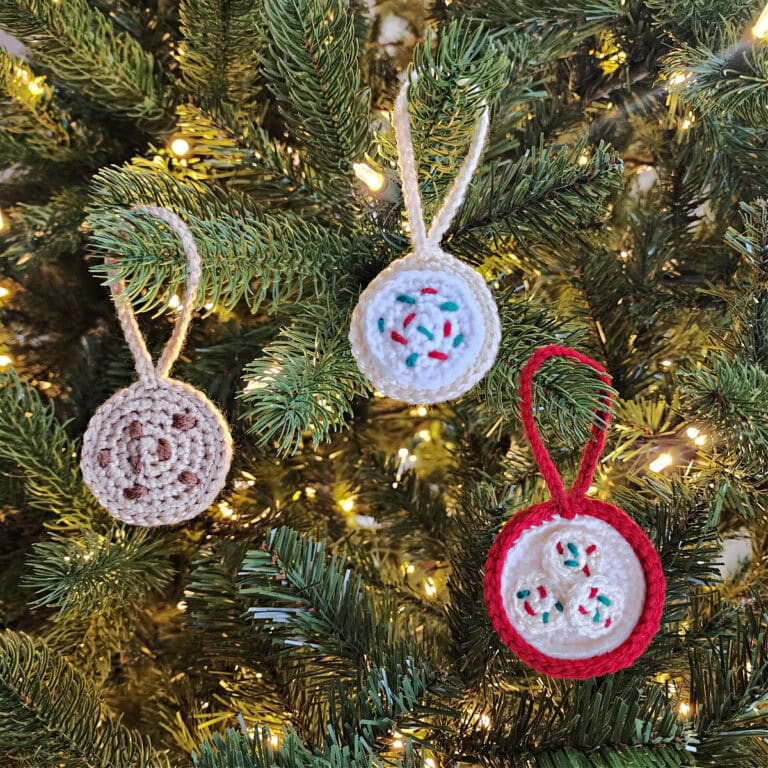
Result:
{"points": [[422, 240], [146, 369]]}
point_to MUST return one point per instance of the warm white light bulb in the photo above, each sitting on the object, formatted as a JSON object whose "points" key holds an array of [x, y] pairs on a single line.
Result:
{"points": [[700, 440], [666, 363], [175, 302], [760, 30], [348, 504], [430, 588], [3, 291], [372, 178], [5, 361], [583, 159], [661, 462], [692, 433], [179, 147], [421, 411], [685, 708]]}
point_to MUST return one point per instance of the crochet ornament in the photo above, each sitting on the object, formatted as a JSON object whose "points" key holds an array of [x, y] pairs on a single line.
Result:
{"points": [[158, 451], [573, 586], [427, 329]]}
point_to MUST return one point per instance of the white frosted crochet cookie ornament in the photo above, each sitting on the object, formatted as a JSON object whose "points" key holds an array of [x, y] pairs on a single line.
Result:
{"points": [[573, 586], [158, 451], [427, 329]]}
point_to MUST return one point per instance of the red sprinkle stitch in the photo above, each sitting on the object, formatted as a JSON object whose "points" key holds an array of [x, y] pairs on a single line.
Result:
{"points": [[428, 290], [447, 328], [398, 338], [408, 319], [559, 548], [591, 548], [582, 610], [586, 570], [593, 593], [528, 609], [542, 592], [437, 355], [607, 623]]}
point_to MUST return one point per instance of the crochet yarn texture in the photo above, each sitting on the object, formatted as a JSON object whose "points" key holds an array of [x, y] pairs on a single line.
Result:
{"points": [[158, 451], [573, 585], [427, 329]]}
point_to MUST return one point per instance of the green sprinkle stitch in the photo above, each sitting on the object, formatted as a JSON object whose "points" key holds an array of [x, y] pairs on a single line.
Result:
{"points": [[523, 593], [406, 299], [381, 324], [603, 599], [596, 617], [449, 306], [410, 361], [426, 332], [559, 606], [573, 549], [458, 340], [545, 618], [571, 563]]}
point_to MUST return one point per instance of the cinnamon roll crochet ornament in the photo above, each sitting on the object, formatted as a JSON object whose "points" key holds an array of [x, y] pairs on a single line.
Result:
{"points": [[158, 451], [573, 585], [427, 329]]}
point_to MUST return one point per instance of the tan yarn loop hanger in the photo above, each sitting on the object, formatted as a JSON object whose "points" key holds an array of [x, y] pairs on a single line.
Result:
{"points": [[422, 240], [144, 367]]}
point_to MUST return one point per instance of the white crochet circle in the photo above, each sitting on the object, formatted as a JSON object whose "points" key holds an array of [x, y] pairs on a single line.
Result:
{"points": [[538, 604], [156, 453], [425, 330], [570, 560], [618, 575], [594, 606]]}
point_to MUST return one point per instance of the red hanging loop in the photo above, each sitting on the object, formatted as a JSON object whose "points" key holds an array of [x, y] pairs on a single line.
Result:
{"points": [[595, 445]]}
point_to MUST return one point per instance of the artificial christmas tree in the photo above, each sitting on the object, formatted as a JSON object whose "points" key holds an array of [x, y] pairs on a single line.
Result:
{"points": [[328, 608]]}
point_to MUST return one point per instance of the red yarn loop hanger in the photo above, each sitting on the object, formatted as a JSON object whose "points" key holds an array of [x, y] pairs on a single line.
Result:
{"points": [[595, 445]]}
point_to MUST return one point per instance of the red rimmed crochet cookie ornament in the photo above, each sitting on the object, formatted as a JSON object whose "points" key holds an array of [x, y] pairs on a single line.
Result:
{"points": [[573, 585]]}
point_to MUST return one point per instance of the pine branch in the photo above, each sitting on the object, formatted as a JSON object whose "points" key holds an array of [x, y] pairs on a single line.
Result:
{"points": [[32, 438], [81, 47], [363, 648], [260, 258], [314, 73], [539, 199], [52, 716], [32, 126], [98, 573], [454, 77], [729, 397], [222, 51], [731, 82], [304, 383]]}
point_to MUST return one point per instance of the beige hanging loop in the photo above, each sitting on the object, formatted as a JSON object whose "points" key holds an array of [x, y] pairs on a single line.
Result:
{"points": [[144, 366]]}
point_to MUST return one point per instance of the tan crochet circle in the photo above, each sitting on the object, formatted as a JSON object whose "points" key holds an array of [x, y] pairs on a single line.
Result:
{"points": [[156, 453], [379, 371]]}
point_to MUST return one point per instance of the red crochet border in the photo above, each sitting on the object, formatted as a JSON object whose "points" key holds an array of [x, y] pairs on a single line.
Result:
{"points": [[624, 655]]}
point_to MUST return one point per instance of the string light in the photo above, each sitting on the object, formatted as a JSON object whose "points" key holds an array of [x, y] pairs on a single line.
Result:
{"points": [[180, 147], [685, 709], [760, 30], [430, 762], [348, 504], [181, 605], [485, 722], [403, 453], [666, 363], [274, 740], [583, 159], [175, 302], [208, 305], [226, 509], [690, 119], [624, 255], [430, 588], [3, 222], [5, 361], [310, 492], [372, 178], [661, 462], [421, 411], [677, 78], [3, 291]]}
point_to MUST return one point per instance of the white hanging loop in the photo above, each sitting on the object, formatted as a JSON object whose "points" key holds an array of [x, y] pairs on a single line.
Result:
{"points": [[144, 366], [421, 239]]}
